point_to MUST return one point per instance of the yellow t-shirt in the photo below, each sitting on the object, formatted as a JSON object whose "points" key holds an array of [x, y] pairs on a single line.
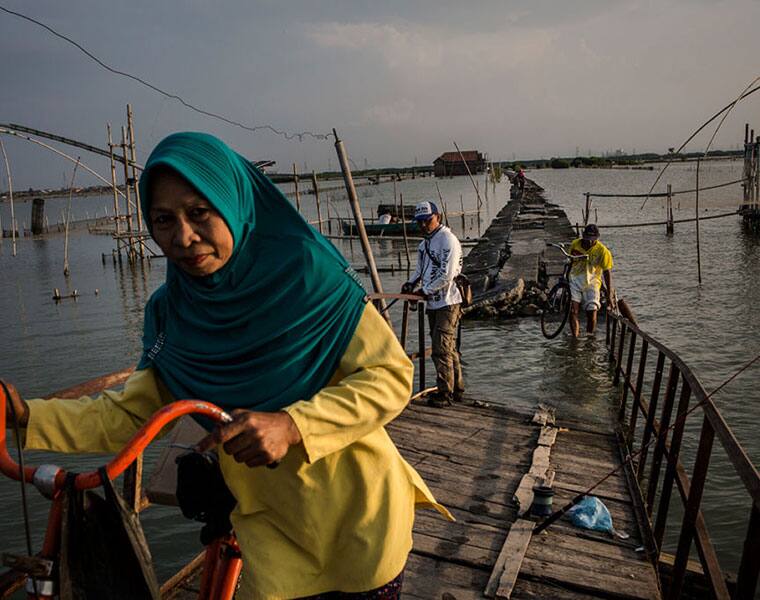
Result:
{"points": [[336, 514], [588, 273]]}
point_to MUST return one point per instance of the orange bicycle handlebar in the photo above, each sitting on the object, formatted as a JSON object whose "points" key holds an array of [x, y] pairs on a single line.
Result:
{"points": [[132, 449]]}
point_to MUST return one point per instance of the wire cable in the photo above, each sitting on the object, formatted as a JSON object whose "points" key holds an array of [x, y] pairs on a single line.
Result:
{"points": [[253, 128], [665, 194], [728, 107]]}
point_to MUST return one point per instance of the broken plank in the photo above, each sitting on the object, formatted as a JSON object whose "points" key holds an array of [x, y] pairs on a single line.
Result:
{"points": [[507, 566]]}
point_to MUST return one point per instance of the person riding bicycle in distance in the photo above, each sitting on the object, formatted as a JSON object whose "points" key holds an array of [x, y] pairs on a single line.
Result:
{"points": [[586, 278]]}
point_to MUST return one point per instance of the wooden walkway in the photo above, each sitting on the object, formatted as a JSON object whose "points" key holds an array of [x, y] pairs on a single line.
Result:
{"points": [[473, 459]]}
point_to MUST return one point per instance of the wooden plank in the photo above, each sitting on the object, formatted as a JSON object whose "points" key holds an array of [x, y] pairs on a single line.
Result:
{"points": [[507, 566], [544, 415], [547, 436]]}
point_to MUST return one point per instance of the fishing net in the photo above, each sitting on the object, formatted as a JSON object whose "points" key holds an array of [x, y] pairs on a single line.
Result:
{"points": [[104, 553]]}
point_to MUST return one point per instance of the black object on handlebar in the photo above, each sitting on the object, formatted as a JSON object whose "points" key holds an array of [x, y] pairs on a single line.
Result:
{"points": [[203, 495]]}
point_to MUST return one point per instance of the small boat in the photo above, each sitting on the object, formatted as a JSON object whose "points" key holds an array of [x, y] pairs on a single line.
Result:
{"points": [[378, 229]]}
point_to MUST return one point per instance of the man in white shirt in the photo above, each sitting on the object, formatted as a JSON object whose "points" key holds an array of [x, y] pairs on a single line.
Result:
{"points": [[439, 261]]}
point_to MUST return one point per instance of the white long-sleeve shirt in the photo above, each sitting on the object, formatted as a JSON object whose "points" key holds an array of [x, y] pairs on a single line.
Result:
{"points": [[439, 261]]}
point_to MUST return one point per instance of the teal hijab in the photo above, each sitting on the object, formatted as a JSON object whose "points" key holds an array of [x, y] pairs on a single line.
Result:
{"points": [[270, 327]]}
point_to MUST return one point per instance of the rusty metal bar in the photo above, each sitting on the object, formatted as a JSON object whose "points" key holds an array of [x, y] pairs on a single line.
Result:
{"points": [[619, 358], [746, 580], [404, 325], [636, 407], [607, 328], [421, 330], [672, 459], [627, 376], [649, 426], [667, 409], [691, 509]]}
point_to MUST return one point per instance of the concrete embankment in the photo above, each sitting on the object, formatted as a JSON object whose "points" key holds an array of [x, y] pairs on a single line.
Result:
{"points": [[511, 267]]}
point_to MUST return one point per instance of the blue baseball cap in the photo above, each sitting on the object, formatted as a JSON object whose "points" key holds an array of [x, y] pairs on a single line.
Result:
{"points": [[424, 211]]}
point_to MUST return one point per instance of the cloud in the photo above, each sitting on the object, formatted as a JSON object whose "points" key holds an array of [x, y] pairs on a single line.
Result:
{"points": [[410, 46], [394, 113]]}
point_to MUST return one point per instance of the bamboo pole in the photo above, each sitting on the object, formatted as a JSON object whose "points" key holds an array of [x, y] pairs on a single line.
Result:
{"points": [[117, 222], [696, 209], [466, 166], [406, 238], [670, 229], [443, 204], [131, 253], [316, 199], [354, 202], [295, 185], [136, 188], [10, 197], [56, 151], [66, 227]]}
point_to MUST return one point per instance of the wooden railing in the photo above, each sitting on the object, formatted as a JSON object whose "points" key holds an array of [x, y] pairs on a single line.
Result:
{"points": [[659, 447]]}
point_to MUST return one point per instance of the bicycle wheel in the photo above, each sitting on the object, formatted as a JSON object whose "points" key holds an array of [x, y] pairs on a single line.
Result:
{"points": [[556, 310]]}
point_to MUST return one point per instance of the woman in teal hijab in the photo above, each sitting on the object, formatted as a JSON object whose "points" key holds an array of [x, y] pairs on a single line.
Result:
{"points": [[262, 316], [260, 326]]}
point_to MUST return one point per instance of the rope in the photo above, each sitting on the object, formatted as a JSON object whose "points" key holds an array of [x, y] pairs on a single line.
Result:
{"points": [[665, 194], [652, 223], [254, 128]]}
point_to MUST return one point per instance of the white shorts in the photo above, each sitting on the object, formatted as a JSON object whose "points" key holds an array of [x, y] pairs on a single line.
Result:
{"points": [[588, 296]]}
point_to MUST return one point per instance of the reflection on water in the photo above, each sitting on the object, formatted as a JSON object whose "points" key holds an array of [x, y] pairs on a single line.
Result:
{"points": [[713, 326]]}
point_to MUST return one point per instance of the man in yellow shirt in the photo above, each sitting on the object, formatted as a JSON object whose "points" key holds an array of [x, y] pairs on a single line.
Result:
{"points": [[586, 278]]}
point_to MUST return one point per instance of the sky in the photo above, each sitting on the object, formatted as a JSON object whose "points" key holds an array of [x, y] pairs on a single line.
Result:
{"points": [[399, 80]]}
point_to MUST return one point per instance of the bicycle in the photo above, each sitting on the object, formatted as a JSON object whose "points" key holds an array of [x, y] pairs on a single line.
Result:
{"points": [[557, 308], [222, 562]]}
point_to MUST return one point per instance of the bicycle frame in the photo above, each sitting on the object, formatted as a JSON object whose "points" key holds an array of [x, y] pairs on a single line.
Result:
{"points": [[222, 564]]}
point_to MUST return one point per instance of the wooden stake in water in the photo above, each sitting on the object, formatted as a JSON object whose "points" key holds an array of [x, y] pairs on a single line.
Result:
{"points": [[10, 196], [316, 199], [295, 188], [406, 240], [68, 221], [696, 208]]}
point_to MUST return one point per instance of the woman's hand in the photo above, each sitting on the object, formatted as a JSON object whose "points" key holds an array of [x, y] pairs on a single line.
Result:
{"points": [[254, 438], [19, 406]]}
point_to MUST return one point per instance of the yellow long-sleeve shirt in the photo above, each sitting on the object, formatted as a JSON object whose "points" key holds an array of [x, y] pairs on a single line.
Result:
{"points": [[336, 514]]}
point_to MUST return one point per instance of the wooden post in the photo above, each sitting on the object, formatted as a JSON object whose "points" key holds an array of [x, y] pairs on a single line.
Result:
{"points": [[127, 192], [358, 219], [329, 217], [587, 212], [38, 216], [696, 209], [295, 185], [406, 239], [316, 199], [135, 187], [461, 206], [10, 196], [669, 228]]}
